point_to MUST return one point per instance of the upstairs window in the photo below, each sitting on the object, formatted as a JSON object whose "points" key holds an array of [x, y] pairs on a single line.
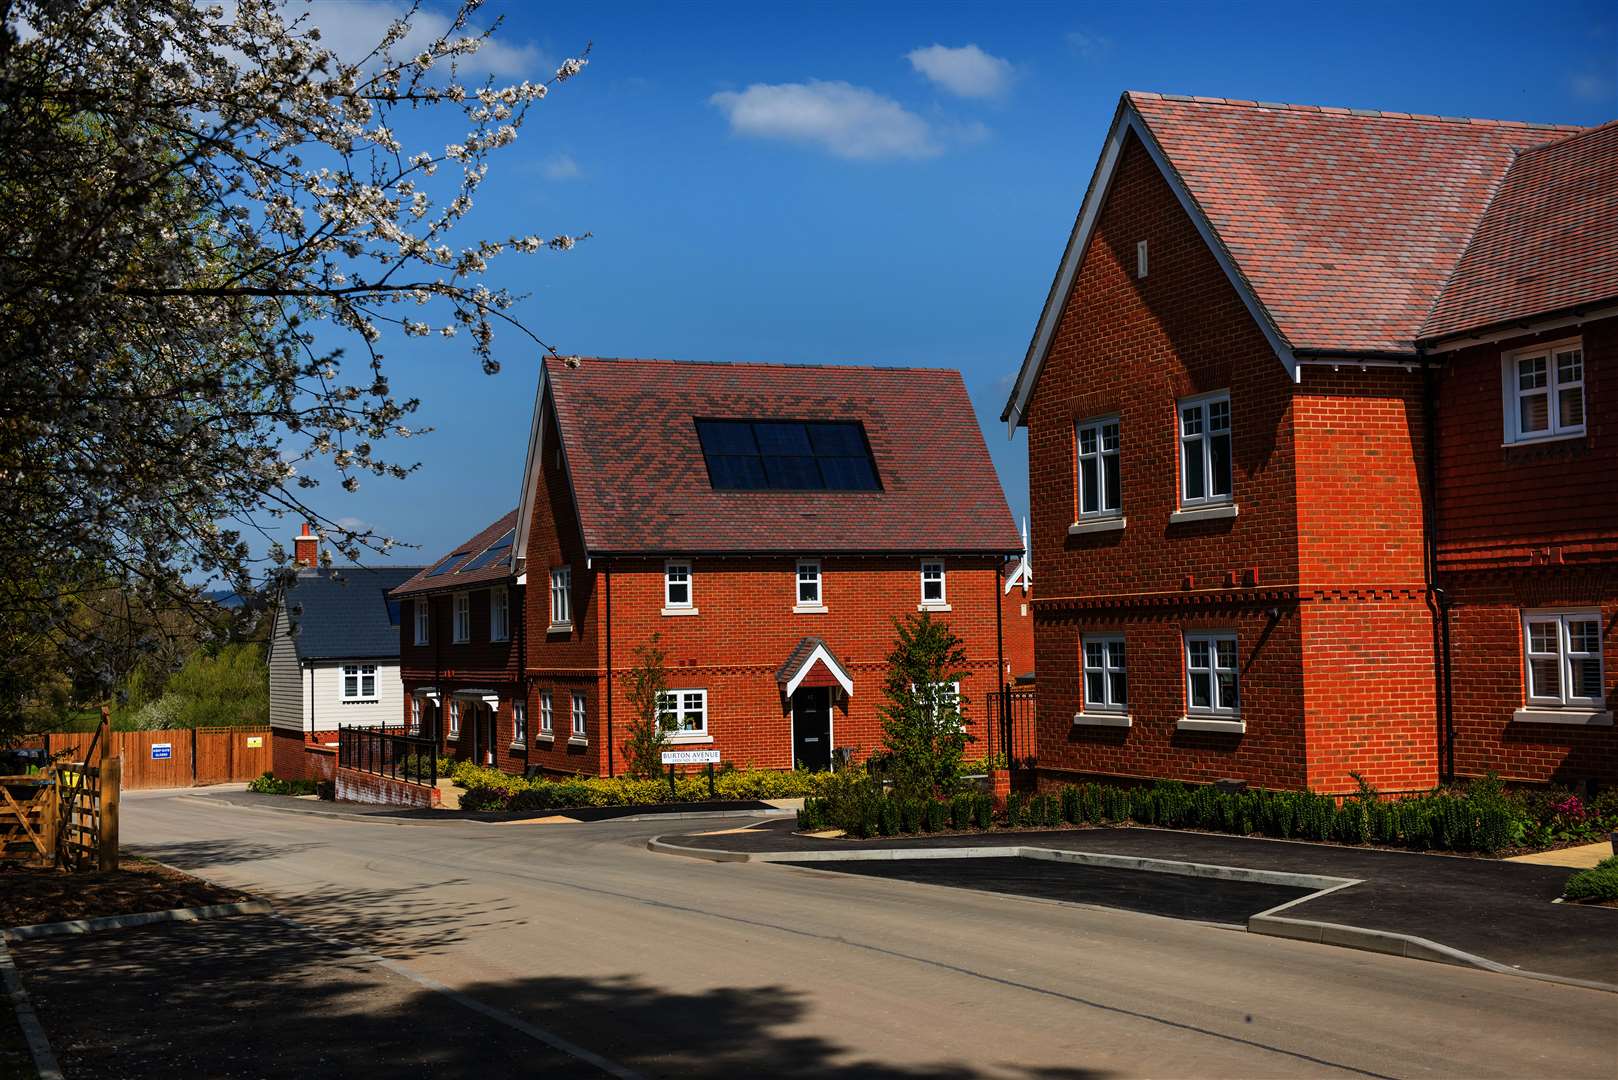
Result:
{"points": [[519, 723], [1098, 469], [578, 715], [359, 682], [756, 455], [499, 614], [1210, 671], [683, 712], [1106, 681], [1205, 450], [932, 585], [808, 583], [1544, 392], [547, 713], [677, 585], [1563, 658], [463, 618], [423, 619], [562, 596]]}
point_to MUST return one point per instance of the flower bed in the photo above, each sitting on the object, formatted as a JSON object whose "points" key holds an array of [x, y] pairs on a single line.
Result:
{"points": [[1481, 817], [491, 789]]}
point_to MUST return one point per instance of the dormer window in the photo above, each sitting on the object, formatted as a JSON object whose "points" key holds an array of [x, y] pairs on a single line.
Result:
{"points": [[1544, 392]]}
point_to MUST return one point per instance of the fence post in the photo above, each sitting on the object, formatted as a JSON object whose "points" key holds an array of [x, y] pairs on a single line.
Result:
{"points": [[112, 775]]}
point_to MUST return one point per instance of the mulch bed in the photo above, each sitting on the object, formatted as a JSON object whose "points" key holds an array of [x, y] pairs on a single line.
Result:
{"points": [[31, 895]]}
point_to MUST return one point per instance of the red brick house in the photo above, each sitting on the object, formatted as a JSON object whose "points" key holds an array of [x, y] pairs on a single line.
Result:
{"points": [[1322, 451], [767, 522], [460, 650]]}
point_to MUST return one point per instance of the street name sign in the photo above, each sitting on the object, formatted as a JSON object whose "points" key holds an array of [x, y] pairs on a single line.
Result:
{"points": [[690, 757]]}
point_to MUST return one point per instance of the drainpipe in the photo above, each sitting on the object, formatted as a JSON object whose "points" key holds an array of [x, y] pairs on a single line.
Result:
{"points": [[438, 674], [606, 589], [1438, 601]]}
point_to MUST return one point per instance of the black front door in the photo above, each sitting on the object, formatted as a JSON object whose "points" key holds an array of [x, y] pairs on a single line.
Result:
{"points": [[811, 727]]}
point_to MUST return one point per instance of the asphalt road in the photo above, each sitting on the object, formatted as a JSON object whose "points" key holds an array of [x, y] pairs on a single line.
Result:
{"points": [[675, 967]]}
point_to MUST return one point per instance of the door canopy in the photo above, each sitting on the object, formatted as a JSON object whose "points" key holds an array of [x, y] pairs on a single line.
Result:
{"points": [[811, 663]]}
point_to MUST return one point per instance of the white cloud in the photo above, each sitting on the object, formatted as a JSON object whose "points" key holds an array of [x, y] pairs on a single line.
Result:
{"points": [[352, 28], [849, 121], [563, 167], [965, 72], [1089, 46], [354, 524], [1592, 86]]}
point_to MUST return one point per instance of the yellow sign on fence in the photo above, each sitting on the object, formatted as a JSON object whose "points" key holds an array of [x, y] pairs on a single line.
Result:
{"points": [[255, 742]]}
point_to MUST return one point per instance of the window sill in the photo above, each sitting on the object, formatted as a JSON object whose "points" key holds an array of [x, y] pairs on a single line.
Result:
{"points": [[679, 611], [1218, 512], [1537, 440], [1570, 717], [1087, 526], [499, 640], [810, 609], [1223, 725], [518, 746], [934, 607], [544, 740], [461, 641], [421, 644], [578, 740], [1099, 719], [360, 701], [559, 628], [689, 739]]}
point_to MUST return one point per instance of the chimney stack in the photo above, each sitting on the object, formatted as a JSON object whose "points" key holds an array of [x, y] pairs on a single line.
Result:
{"points": [[306, 548]]}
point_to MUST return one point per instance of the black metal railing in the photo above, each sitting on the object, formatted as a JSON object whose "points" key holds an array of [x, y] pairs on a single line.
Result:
{"points": [[388, 753], [1011, 727]]}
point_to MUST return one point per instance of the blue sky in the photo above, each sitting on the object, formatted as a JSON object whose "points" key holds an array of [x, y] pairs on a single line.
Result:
{"points": [[819, 183]]}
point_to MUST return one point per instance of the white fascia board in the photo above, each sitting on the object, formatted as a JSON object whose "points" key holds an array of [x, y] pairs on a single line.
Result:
{"points": [[837, 672], [1128, 120], [530, 472]]}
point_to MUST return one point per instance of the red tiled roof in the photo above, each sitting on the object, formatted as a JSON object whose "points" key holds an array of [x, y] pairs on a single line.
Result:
{"points": [[1548, 241], [641, 484], [1345, 223], [468, 551]]}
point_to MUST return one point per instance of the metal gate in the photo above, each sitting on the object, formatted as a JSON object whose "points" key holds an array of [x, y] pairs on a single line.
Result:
{"points": [[1011, 727]]}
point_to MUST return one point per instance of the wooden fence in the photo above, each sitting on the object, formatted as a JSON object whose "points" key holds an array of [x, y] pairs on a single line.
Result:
{"points": [[178, 757], [67, 813]]}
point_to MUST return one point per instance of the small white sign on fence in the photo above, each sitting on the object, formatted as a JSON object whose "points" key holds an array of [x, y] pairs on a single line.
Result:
{"points": [[690, 757]]}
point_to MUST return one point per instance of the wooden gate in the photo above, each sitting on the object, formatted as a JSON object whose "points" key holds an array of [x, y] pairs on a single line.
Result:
{"points": [[65, 814], [28, 817], [224, 754]]}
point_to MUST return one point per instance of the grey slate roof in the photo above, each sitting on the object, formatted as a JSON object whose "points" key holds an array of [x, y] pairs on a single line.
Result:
{"points": [[344, 612]]}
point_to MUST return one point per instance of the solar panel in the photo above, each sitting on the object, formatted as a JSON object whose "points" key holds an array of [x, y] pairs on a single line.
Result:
{"points": [[787, 455], [499, 551], [448, 564]]}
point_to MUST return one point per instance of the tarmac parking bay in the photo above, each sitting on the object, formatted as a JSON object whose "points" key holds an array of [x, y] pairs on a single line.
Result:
{"points": [[1179, 896]]}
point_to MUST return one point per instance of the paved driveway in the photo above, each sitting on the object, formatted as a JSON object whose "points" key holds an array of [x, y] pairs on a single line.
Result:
{"points": [[670, 966]]}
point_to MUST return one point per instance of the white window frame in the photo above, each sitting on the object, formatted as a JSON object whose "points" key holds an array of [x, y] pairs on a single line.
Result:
{"points": [[547, 714], [359, 673], [499, 614], [424, 618], [808, 571], [415, 715], [942, 601], [461, 632], [1514, 393], [1099, 453], [1565, 655], [1217, 707], [1110, 665], [561, 597], [454, 717], [683, 705], [1203, 440], [1140, 258], [581, 718], [519, 722], [673, 571]]}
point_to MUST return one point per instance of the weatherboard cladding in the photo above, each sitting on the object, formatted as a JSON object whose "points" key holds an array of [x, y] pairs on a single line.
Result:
{"points": [[469, 551], [342, 612], [1345, 224], [1547, 243], [641, 485]]}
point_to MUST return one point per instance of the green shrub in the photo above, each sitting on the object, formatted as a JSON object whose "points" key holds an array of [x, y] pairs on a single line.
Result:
{"points": [[270, 784], [961, 810], [1600, 882], [889, 818], [937, 815]]}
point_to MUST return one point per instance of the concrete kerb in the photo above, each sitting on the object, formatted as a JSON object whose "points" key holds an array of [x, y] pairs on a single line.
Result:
{"points": [[39, 1047], [124, 922], [1269, 923]]}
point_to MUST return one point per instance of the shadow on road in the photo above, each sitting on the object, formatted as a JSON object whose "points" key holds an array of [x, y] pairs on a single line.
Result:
{"points": [[256, 997]]}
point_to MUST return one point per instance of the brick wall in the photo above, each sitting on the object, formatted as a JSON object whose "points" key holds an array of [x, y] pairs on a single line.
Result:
{"points": [[363, 787], [1018, 629], [297, 756]]}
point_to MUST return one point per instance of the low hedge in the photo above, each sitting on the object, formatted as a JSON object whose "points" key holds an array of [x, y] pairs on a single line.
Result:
{"points": [[491, 789], [1600, 882], [270, 784], [1480, 817]]}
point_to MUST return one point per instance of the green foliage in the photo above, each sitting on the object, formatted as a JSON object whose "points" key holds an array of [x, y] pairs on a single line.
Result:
{"points": [[491, 789], [1600, 882], [647, 727], [270, 784], [225, 687], [922, 719]]}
